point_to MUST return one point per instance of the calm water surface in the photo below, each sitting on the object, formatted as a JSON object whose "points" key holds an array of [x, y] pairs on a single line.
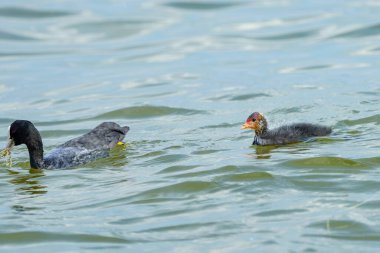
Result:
{"points": [[184, 75]]}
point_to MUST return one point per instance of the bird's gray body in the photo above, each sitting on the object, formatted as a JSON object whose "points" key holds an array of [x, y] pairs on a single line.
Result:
{"points": [[88, 147], [291, 134]]}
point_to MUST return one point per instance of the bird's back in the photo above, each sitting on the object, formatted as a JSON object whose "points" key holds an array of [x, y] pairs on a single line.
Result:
{"points": [[293, 133], [104, 136], [90, 146]]}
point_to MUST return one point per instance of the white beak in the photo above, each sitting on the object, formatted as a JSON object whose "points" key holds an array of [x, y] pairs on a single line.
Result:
{"points": [[10, 143]]}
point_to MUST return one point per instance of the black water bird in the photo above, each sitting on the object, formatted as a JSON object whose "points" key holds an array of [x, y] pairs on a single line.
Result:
{"points": [[88, 147], [282, 135]]}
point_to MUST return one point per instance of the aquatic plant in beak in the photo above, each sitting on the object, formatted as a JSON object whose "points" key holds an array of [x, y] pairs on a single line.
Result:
{"points": [[6, 152]]}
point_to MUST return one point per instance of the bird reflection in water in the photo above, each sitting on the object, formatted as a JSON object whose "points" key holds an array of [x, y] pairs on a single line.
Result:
{"points": [[263, 152], [28, 184]]}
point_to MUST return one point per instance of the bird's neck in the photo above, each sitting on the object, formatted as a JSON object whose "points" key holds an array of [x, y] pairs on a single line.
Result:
{"points": [[263, 127], [36, 153], [263, 130], [260, 132]]}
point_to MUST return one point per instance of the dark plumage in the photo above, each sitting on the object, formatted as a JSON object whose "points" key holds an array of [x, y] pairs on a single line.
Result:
{"points": [[284, 134], [90, 146]]}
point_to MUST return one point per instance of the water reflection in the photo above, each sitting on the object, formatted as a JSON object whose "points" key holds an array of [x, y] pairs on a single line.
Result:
{"points": [[118, 157], [28, 184], [264, 152]]}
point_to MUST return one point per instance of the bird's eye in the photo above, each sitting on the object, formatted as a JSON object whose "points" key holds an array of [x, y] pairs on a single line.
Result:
{"points": [[253, 119]]}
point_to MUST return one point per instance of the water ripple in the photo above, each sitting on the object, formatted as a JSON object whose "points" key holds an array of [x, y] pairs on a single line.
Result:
{"points": [[113, 29], [366, 31], [177, 168], [38, 237], [326, 162], [166, 159], [366, 120], [249, 96], [290, 36], [345, 230], [202, 6], [247, 177], [174, 192], [26, 13], [147, 111], [280, 212], [13, 36]]}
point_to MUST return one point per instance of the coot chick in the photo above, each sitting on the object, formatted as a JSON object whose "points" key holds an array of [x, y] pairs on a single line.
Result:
{"points": [[88, 147], [284, 134]]}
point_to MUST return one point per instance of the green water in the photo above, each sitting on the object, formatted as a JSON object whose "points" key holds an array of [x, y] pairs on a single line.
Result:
{"points": [[184, 75]]}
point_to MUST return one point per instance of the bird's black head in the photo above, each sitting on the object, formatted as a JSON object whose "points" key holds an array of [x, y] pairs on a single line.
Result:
{"points": [[22, 131]]}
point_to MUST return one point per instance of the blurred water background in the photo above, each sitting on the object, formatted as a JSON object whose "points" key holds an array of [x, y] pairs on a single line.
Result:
{"points": [[184, 75]]}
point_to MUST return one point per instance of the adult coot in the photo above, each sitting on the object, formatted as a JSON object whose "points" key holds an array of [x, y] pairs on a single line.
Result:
{"points": [[284, 134], [90, 146]]}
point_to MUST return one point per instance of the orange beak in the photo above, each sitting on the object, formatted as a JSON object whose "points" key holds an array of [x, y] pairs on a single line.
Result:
{"points": [[248, 125]]}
